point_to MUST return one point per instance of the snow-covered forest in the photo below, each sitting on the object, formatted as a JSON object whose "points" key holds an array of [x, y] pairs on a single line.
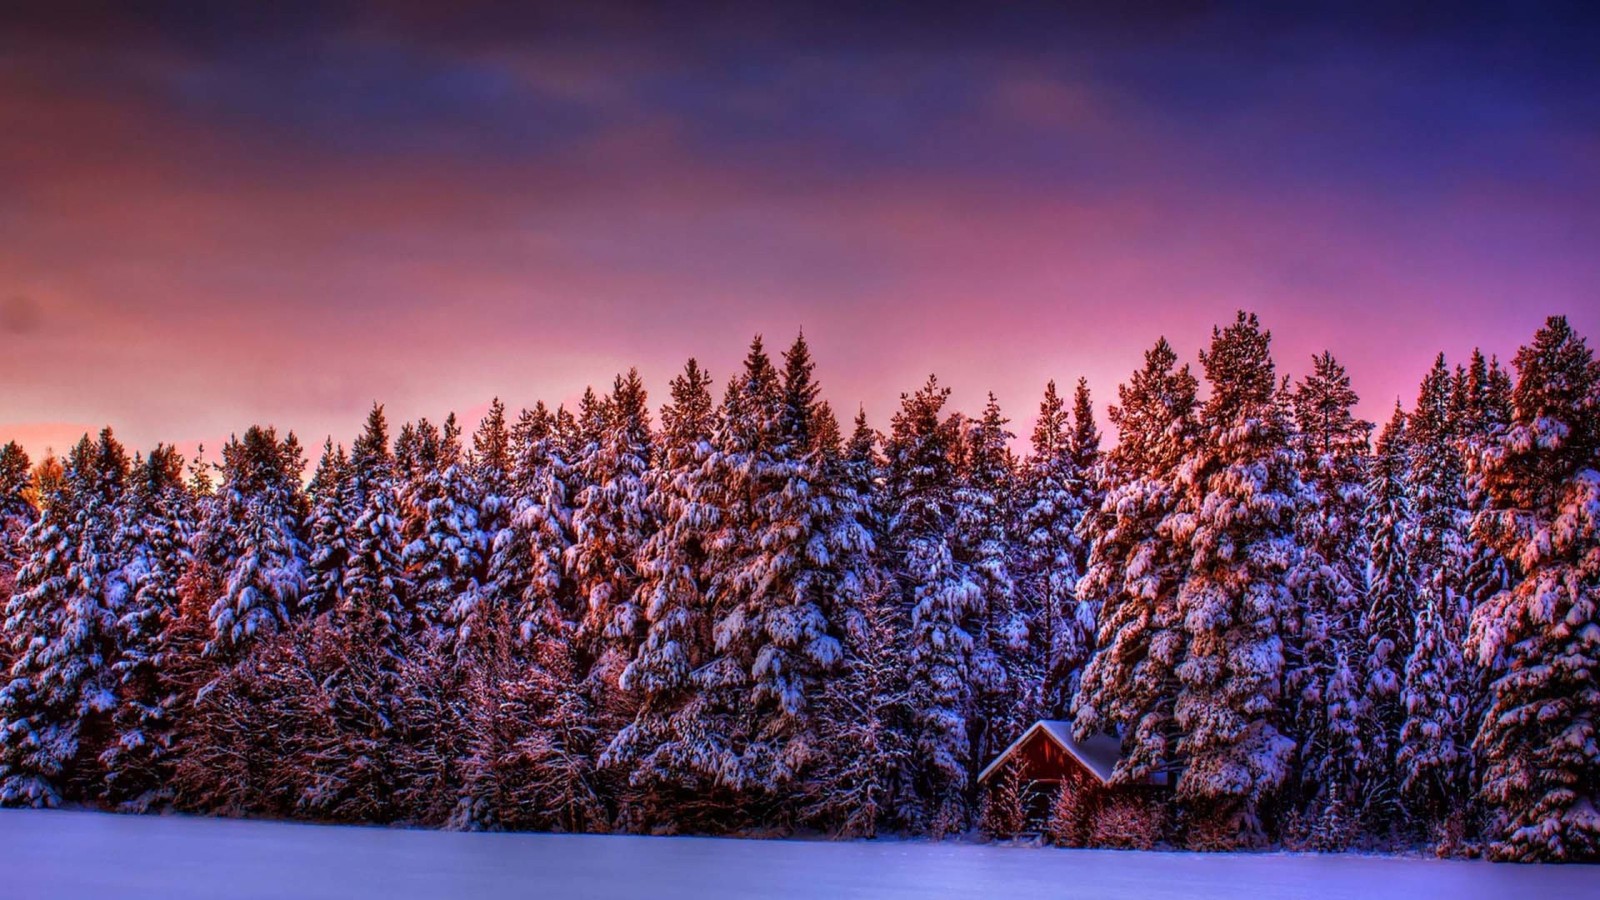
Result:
{"points": [[744, 615]]}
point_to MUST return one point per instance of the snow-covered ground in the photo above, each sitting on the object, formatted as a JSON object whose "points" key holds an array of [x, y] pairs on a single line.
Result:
{"points": [[71, 855]]}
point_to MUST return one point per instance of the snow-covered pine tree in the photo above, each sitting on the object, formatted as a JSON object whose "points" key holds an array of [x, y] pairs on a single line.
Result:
{"points": [[1437, 478], [1487, 407], [610, 520], [480, 670], [153, 545], [371, 463], [527, 733], [253, 535], [983, 503], [1387, 622], [547, 767], [1134, 570], [61, 624], [1055, 495], [328, 529], [1325, 652], [1540, 639], [1433, 688], [16, 511], [1433, 757], [863, 714], [374, 610], [355, 657], [1235, 522], [511, 545], [1085, 440], [942, 597], [446, 560], [1483, 412], [419, 451], [773, 582], [527, 566], [660, 747], [488, 472], [491, 459]]}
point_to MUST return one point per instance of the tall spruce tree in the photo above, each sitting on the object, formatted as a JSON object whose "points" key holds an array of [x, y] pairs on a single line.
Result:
{"points": [[253, 535], [1387, 622], [943, 600], [1130, 683], [1540, 639], [1325, 651], [62, 626], [1438, 484], [16, 510], [1487, 412], [1433, 685], [446, 559], [543, 529], [328, 529], [772, 584], [610, 520], [983, 511], [863, 714], [153, 545], [1057, 492], [662, 747], [1432, 759], [1235, 523]]}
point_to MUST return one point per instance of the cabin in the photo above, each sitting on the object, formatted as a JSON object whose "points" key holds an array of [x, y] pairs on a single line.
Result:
{"points": [[1048, 757]]}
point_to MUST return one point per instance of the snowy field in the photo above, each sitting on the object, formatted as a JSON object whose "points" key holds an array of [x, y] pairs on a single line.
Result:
{"points": [[71, 855]]}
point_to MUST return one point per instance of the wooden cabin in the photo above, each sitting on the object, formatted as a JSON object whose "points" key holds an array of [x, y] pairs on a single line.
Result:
{"points": [[1049, 757]]}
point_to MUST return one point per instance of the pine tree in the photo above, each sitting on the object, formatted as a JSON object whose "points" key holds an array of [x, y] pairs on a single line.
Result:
{"points": [[610, 520], [1057, 492], [488, 473], [1540, 639], [660, 746], [490, 462], [1324, 653], [447, 559], [983, 510], [943, 599], [542, 591], [62, 625], [1433, 690], [1488, 412], [773, 583], [1485, 413], [511, 545], [1235, 522], [374, 607], [1437, 479], [328, 527], [253, 535], [1432, 757], [864, 714], [1133, 573], [153, 540], [16, 511]]}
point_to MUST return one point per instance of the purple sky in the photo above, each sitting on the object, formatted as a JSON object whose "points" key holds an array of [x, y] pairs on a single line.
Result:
{"points": [[211, 220]]}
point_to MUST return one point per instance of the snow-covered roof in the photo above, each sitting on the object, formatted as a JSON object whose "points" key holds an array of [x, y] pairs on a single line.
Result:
{"points": [[1099, 754]]}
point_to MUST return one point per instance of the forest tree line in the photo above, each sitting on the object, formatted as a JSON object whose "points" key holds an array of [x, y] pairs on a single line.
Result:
{"points": [[743, 616]]}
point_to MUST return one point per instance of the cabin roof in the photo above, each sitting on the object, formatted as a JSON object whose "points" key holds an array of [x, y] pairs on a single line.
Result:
{"points": [[1099, 754]]}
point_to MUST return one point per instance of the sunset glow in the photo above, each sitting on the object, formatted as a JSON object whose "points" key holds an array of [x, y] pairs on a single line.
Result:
{"points": [[209, 220]]}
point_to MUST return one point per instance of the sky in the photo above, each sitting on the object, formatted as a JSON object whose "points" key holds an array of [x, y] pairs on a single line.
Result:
{"points": [[212, 217]]}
